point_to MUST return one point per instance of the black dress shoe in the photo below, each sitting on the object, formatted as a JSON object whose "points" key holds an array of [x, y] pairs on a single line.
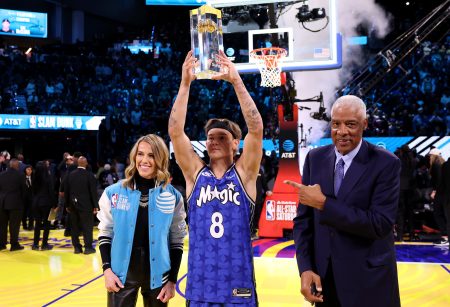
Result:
{"points": [[46, 247], [16, 248], [2, 247], [35, 247], [88, 251], [78, 250]]}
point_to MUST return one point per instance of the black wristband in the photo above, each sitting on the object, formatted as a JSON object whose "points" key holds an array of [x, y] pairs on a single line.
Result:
{"points": [[105, 251], [175, 261], [106, 266]]}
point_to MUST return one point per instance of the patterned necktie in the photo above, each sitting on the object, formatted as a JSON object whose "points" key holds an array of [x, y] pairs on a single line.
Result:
{"points": [[338, 175]]}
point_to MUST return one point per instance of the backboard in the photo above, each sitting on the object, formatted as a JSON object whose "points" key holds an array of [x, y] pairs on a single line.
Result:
{"points": [[306, 29]]}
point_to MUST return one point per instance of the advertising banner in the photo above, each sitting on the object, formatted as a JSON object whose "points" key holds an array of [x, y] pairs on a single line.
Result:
{"points": [[49, 122], [280, 208]]}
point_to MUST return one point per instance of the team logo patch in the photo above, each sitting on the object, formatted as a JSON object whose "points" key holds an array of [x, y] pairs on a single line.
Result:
{"points": [[114, 199], [165, 202]]}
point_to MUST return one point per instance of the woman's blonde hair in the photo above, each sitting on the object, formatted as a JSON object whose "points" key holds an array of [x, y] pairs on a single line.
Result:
{"points": [[436, 159], [161, 156]]}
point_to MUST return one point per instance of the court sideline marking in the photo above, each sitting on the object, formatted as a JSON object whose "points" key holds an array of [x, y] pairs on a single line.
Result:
{"points": [[72, 291]]}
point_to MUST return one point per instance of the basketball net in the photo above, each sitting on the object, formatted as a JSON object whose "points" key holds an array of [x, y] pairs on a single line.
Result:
{"points": [[268, 61]]}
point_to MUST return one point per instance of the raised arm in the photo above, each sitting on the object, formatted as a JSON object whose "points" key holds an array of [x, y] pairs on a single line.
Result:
{"points": [[248, 163], [189, 162]]}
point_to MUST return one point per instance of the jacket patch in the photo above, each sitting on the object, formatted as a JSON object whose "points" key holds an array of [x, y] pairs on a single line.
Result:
{"points": [[165, 202], [120, 202], [114, 199]]}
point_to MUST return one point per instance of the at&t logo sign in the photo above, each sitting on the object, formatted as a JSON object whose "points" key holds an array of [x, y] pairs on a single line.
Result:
{"points": [[288, 147]]}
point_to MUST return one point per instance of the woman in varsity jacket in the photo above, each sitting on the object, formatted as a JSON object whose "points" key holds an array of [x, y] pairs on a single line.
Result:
{"points": [[142, 228]]}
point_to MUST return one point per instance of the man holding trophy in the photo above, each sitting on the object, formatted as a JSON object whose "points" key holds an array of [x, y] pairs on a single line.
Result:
{"points": [[220, 195]]}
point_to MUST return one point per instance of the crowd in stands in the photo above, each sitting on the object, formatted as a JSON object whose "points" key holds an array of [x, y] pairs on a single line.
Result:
{"points": [[413, 99], [135, 91]]}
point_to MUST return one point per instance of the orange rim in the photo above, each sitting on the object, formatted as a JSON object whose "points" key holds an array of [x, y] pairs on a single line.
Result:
{"points": [[270, 55]]}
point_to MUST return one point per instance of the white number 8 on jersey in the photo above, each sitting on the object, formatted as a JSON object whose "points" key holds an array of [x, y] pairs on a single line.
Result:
{"points": [[216, 228]]}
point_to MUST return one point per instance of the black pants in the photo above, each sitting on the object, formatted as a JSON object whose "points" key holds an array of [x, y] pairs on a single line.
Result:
{"points": [[82, 221], [404, 214], [27, 216], [41, 223], [138, 276], [447, 215], [330, 297], [439, 216], [11, 218]]}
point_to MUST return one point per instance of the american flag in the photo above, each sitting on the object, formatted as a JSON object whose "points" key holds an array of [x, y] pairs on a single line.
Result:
{"points": [[321, 53]]}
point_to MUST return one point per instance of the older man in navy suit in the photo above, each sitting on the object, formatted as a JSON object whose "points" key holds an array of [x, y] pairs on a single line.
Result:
{"points": [[344, 226]]}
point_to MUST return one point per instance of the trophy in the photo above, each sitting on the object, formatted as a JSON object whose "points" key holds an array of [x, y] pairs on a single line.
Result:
{"points": [[206, 40]]}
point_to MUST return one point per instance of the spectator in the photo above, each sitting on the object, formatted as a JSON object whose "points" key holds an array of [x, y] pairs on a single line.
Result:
{"points": [[81, 201], [12, 191], [44, 200]]}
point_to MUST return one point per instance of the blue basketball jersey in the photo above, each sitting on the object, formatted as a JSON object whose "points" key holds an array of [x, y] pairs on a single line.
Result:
{"points": [[220, 262]]}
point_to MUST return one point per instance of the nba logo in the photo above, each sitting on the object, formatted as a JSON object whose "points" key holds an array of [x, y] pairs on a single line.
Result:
{"points": [[114, 199], [270, 210], [32, 121]]}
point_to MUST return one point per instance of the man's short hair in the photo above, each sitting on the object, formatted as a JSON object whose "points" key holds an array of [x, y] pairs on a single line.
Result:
{"points": [[351, 100], [226, 124], [6, 19]]}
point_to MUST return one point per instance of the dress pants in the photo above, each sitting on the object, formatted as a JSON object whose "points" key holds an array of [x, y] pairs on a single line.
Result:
{"points": [[42, 223], [82, 221], [138, 276], [330, 297], [11, 218], [27, 216]]}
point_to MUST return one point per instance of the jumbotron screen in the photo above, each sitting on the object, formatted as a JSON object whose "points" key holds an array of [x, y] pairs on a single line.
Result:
{"points": [[175, 2], [23, 23]]}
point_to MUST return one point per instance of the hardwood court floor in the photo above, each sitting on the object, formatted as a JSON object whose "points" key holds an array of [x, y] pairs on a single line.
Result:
{"points": [[61, 278]]}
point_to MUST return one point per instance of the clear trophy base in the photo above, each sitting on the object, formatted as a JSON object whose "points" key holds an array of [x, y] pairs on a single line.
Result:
{"points": [[206, 74]]}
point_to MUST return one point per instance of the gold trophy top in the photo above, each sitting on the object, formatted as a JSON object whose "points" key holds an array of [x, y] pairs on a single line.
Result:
{"points": [[206, 9]]}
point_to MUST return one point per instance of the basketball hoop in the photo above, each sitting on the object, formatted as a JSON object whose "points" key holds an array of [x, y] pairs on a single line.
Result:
{"points": [[268, 61]]}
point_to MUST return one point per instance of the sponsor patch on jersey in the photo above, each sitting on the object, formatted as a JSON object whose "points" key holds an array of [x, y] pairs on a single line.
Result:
{"points": [[206, 174], [114, 199], [230, 176], [242, 292]]}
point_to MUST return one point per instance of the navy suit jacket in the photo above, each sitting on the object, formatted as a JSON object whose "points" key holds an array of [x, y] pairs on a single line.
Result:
{"points": [[355, 228]]}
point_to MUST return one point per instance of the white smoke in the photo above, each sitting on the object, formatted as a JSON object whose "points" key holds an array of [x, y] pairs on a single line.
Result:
{"points": [[350, 14]]}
